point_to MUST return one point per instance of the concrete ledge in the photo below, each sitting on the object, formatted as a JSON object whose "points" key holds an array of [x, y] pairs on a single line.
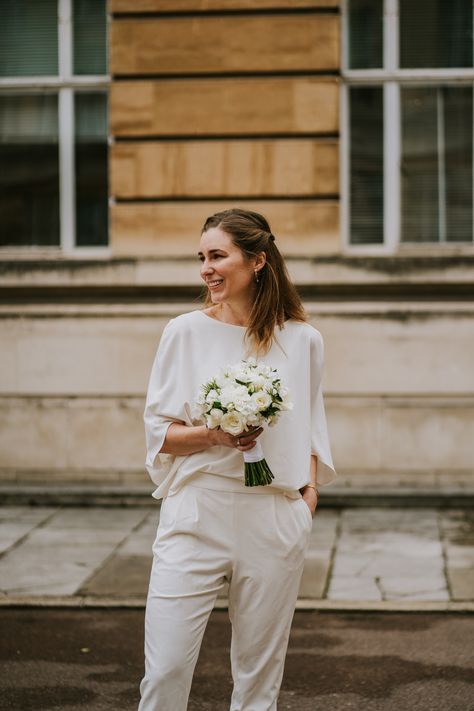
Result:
{"points": [[83, 601], [89, 496]]}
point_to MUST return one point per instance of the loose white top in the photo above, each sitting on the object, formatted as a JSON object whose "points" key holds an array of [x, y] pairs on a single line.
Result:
{"points": [[193, 349]]}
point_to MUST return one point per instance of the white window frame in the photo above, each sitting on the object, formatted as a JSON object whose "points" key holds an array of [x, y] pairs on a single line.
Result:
{"points": [[390, 77], [65, 83]]}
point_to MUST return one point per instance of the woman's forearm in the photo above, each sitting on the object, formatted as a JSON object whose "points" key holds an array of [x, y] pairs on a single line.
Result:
{"points": [[181, 439], [314, 469], [313, 473]]}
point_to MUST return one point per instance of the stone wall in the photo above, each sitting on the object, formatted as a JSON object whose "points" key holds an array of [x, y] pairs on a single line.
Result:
{"points": [[398, 382]]}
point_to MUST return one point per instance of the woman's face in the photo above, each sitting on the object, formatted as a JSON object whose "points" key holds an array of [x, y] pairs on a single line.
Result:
{"points": [[228, 274]]}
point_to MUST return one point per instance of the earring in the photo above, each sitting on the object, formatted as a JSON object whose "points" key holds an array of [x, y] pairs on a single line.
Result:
{"points": [[256, 276]]}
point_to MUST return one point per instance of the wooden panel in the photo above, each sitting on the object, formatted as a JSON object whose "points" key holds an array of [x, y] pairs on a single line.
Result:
{"points": [[224, 168], [190, 45], [173, 228], [232, 106], [138, 6]]}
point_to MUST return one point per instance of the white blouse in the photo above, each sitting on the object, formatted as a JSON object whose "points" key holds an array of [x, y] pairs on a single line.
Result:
{"points": [[193, 348]]}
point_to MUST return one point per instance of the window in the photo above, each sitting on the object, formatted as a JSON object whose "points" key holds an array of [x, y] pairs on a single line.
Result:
{"points": [[53, 124], [407, 114]]}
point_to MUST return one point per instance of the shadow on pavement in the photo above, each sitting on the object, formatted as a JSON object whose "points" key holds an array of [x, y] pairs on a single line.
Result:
{"points": [[92, 660]]}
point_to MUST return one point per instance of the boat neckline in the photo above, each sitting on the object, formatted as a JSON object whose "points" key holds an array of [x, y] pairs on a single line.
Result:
{"points": [[216, 320], [224, 323]]}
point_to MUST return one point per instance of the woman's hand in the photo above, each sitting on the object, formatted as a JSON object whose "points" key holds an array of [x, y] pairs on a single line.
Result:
{"points": [[242, 442], [310, 496], [182, 440]]}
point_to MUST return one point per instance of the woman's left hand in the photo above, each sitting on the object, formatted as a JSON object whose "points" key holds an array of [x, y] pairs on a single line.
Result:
{"points": [[310, 497]]}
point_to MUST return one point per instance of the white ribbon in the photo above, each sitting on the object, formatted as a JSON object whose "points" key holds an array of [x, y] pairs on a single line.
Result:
{"points": [[255, 454]]}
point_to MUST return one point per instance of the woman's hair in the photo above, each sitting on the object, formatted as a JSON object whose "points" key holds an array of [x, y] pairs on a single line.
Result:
{"points": [[276, 298]]}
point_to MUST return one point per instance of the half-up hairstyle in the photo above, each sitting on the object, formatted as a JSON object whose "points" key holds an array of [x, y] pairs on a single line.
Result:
{"points": [[276, 297]]}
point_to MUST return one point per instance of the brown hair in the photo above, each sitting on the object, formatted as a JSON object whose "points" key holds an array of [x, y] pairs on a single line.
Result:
{"points": [[276, 299]]}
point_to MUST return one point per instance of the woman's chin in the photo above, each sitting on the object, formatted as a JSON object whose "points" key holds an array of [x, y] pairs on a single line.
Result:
{"points": [[216, 298]]}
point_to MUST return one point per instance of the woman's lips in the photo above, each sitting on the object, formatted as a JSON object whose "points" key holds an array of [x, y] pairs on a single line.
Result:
{"points": [[214, 286]]}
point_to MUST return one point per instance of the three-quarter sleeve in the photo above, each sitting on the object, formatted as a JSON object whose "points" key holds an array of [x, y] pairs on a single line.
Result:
{"points": [[166, 401], [320, 445]]}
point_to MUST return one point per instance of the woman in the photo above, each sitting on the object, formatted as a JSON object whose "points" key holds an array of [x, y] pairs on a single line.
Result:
{"points": [[212, 527]]}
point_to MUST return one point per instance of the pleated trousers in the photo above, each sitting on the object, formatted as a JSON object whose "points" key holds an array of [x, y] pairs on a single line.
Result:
{"points": [[251, 537]]}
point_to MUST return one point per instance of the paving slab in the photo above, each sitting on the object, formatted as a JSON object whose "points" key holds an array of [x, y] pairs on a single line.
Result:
{"points": [[17, 521], [388, 555], [57, 558], [358, 556], [457, 531], [121, 576]]}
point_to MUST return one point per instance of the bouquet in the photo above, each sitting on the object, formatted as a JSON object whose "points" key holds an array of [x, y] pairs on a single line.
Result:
{"points": [[247, 394]]}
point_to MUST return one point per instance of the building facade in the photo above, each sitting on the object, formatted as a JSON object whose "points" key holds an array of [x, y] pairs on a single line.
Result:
{"points": [[348, 124]]}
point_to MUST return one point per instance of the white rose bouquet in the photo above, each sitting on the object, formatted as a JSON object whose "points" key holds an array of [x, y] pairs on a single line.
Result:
{"points": [[241, 396]]}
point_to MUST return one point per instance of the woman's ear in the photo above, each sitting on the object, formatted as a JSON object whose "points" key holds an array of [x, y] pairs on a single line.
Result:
{"points": [[260, 260]]}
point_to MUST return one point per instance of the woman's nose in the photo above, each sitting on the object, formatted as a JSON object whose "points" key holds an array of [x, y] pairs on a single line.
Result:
{"points": [[205, 269]]}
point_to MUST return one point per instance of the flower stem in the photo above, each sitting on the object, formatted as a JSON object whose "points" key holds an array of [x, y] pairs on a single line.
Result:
{"points": [[258, 473]]}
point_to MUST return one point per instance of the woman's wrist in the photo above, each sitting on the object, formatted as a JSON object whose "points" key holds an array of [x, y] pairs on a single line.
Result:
{"points": [[211, 436], [310, 486]]}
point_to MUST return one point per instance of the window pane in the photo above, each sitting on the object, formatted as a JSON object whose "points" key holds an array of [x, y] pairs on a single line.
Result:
{"points": [[458, 122], [419, 166], [28, 38], [91, 169], [90, 32], [29, 179], [365, 34], [436, 169], [436, 33], [366, 165]]}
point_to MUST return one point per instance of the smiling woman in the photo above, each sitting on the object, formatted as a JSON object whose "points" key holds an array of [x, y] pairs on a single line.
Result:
{"points": [[247, 279], [213, 528]]}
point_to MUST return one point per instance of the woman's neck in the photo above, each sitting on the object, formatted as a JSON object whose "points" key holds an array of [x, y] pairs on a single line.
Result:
{"points": [[235, 315]]}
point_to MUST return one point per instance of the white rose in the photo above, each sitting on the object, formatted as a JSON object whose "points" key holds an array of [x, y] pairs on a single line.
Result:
{"points": [[214, 418], [250, 407], [262, 399], [254, 420], [212, 395], [234, 394], [257, 380], [232, 422]]}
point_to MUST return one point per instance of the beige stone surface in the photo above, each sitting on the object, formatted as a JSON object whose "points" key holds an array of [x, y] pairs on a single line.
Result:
{"points": [[173, 228], [394, 554], [108, 351], [234, 168], [82, 438], [188, 107], [73, 383], [24, 270], [220, 44], [354, 556], [203, 5]]}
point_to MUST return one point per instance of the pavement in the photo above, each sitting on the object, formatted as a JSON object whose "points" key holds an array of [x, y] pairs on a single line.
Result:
{"points": [[359, 558], [84, 659]]}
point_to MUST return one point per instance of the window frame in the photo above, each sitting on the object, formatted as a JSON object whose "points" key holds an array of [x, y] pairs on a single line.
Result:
{"points": [[65, 84], [390, 78]]}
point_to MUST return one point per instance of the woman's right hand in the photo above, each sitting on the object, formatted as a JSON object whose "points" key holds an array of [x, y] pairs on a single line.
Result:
{"points": [[246, 439]]}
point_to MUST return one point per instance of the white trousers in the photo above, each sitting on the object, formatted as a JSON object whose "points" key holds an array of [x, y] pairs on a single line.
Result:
{"points": [[251, 537]]}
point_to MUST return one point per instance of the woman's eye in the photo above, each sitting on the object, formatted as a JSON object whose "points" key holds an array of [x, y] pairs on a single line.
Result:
{"points": [[214, 256]]}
